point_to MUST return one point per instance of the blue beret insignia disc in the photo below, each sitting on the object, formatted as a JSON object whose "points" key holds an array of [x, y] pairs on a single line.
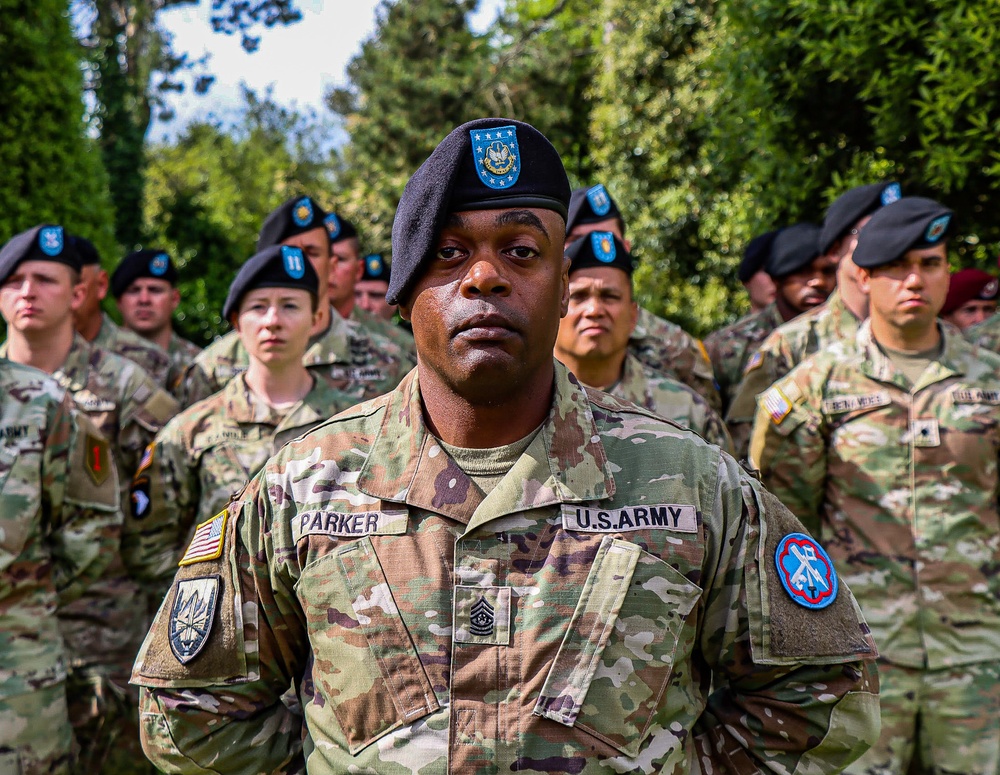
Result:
{"points": [[332, 225], [497, 157], [294, 261], [375, 266], [891, 193], [302, 212], [599, 200], [937, 228], [159, 264], [603, 245], [806, 571], [51, 241], [192, 616]]}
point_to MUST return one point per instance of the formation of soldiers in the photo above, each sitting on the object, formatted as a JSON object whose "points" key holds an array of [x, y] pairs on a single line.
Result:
{"points": [[530, 549]]}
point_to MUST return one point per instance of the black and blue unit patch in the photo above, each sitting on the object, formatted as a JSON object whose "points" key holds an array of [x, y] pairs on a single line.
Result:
{"points": [[497, 156], [806, 571], [192, 616]]}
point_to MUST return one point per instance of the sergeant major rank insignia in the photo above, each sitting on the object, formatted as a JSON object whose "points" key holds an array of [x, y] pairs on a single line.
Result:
{"points": [[302, 212], [192, 615], [497, 156], [599, 200], [481, 619], [806, 571]]}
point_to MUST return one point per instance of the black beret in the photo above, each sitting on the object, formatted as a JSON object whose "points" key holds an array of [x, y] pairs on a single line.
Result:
{"points": [[794, 248], [339, 228], [591, 205], [154, 264], [755, 256], [278, 266], [299, 214], [912, 223], [86, 250], [599, 248], [851, 207], [376, 268], [45, 242], [486, 164]]}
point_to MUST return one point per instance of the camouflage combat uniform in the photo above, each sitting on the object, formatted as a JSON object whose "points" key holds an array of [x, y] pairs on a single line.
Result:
{"points": [[182, 354], [398, 336], [152, 359], [104, 627], [784, 349], [730, 348], [669, 349], [900, 483], [58, 529], [986, 334], [555, 625], [204, 457], [672, 400], [350, 359]]}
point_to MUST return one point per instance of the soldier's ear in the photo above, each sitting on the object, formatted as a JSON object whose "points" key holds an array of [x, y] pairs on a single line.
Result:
{"points": [[564, 279], [864, 280]]}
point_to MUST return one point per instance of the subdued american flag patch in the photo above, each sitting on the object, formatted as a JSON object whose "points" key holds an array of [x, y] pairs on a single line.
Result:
{"points": [[206, 544], [777, 404]]}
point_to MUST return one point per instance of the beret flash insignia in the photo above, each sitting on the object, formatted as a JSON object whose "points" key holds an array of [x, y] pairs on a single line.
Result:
{"points": [[497, 156], [294, 261], [374, 264], [302, 212], [599, 200], [603, 245], [891, 193], [159, 264], [332, 225], [51, 240], [937, 228]]}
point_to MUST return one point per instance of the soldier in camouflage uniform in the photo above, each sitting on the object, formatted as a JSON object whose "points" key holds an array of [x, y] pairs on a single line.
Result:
{"points": [[104, 627], [347, 267], [888, 450], [492, 569], [803, 279], [356, 362], [835, 320], [208, 453], [58, 529], [659, 344], [370, 290], [593, 339], [144, 285], [101, 331]]}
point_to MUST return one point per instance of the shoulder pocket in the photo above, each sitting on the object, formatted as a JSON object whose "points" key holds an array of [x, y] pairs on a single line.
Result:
{"points": [[614, 664], [365, 662]]}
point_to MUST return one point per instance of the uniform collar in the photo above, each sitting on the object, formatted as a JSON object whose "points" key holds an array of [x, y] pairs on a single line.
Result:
{"points": [[333, 345], [877, 365], [243, 406], [565, 462], [74, 374], [633, 383]]}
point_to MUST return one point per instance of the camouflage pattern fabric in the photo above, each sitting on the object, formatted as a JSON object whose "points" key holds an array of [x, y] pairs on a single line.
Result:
{"points": [[671, 400], [730, 348], [351, 360], [949, 718], [669, 349], [397, 335], [58, 529], [784, 349], [555, 625], [154, 361], [203, 458], [900, 483], [182, 354], [986, 334]]}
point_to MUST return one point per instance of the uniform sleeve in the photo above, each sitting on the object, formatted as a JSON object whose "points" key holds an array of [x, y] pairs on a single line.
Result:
{"points": [[146, 408], [196, 385], [80, 490], [211, 698], [763, 369], [788, 447], [795, 688]]}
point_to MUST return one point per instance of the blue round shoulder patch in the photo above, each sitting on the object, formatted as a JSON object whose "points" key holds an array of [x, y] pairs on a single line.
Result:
{"points": [[806, 571], [294, 261], [159, 264]]}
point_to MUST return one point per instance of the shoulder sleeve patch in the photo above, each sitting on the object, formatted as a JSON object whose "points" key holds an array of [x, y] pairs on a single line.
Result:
{"points": [[755, 362], [207, 541], [93, 478], [777, 405]]}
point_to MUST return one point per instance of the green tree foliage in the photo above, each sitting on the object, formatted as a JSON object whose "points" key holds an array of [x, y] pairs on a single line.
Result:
{"points": [[209, 191], [51, 171], [133, 68]]}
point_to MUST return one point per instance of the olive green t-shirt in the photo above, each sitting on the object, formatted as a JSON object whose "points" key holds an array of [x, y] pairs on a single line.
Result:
{"points": [[486, 467]]}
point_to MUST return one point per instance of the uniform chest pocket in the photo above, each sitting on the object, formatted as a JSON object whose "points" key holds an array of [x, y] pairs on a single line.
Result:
{"points": [[18, 514], [614, 664], [366, 665]]}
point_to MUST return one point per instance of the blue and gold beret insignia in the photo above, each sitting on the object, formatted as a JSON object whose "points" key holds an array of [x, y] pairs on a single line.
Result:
{"points": [[937, 228], [302, 212], [332, 225], [159, 264], [375, 264], [51, 240], [599, 200], [294, 262], [497, 157], [891, 193], [603, 245]]}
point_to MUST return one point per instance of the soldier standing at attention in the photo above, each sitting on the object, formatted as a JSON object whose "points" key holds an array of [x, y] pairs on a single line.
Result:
{"points": [[835, 320], [659, 344], [210, 451], [493, 569], [346, 270], [802, 278], [145, 288], [58, 530], [972, 298], [887, 450], [101, 331], [593, 339], [370, 290], [349, 358], [39, 292]]}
